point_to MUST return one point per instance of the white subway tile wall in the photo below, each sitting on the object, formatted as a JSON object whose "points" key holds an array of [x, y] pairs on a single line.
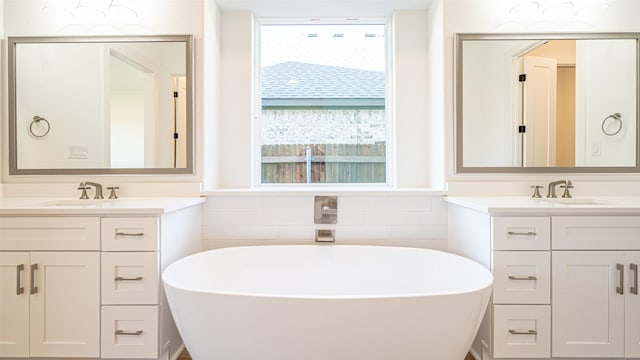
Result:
{"points": [[264, 219]]}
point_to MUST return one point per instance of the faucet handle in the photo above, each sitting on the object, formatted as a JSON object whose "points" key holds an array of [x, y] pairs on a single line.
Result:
{"points": [[84, 189], [112, 194], [536, 191], [567, 194]]}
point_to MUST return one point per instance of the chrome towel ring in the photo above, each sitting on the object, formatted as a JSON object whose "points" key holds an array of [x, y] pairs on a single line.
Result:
{"points": [[617, 117], [39, 126]]}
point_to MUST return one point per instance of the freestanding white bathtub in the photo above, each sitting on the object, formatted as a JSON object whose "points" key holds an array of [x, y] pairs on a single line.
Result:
{"points": [[328, 302]]}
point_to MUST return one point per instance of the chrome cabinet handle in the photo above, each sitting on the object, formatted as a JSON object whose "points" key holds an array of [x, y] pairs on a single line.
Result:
{"points": [[620, 287], [19, 286], [528, 332], [129, 234], [120, 278], [634, 288], [511, 277], [34, 288], [134, 333], [527, 233]]}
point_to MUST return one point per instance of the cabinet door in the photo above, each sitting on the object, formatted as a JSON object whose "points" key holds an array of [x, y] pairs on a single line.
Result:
{"points": [[14, 304], [65, 309], [588, 313], [632, 305]]}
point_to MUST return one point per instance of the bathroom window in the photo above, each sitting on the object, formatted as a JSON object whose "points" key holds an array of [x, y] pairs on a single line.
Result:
{"points": [[323, 92]]}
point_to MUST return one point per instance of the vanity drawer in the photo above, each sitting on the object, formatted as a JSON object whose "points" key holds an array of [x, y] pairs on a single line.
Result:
{"points": [[129, 332], [130, 234], [130, 278], [50, 233], [521, 233], [596, 232], [522, 277], [522, 331]]}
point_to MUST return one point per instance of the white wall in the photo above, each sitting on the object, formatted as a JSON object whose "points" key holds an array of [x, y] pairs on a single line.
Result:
{"points": [[492, 16], [436, 95], [236, 100], [606, 76], [36, 94], [412, 218], [410, 52], [209, 140]]}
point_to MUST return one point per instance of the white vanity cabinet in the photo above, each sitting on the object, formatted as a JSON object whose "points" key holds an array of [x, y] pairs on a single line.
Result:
{"points": [[596, 306], [130, 287], [516, 249], [49, 299], [89, 286], [565, 280]]}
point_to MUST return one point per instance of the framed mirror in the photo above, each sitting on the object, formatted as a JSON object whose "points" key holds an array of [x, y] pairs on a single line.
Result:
{"points": [[100, 105], [547, 103]]}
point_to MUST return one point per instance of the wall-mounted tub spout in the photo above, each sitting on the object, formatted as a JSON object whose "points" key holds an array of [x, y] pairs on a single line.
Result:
{"points": [[325, 236]]}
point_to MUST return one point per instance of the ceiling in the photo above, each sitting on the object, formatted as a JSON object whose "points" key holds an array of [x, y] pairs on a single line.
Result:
{"points": [[321, 8]]}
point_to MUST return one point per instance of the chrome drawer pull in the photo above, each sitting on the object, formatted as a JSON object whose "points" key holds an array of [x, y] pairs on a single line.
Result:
{"points": [[34, 288], [620, 288], [120, 278], [634, 288], [122, 332], [129, 234], [511, 277], [528, 332], [19, 287], [528, 233]]}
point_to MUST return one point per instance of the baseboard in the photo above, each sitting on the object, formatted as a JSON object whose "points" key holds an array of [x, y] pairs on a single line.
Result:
{"points": [[475, 354], [177, 354]]}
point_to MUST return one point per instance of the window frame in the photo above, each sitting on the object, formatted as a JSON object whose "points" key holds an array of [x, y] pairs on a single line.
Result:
{"points": [[390, 173]]}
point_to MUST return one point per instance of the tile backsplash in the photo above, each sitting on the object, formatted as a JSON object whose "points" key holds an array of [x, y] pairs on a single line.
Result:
{"points": [[418, 220]]}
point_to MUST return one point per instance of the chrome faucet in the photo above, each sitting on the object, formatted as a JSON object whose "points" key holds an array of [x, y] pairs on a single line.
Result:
{"points": [[98, 187], [551, 191]]}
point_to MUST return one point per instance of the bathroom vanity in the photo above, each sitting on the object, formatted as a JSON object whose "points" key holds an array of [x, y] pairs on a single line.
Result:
{"points": [[81, 279], [565, 275]]}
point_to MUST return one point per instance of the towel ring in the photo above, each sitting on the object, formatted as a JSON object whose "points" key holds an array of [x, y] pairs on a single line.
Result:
{"points": [[618, 118], [39, 131]]}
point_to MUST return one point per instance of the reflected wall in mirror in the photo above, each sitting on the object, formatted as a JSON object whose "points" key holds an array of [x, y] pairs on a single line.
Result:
{"points": [[100, 105], [547, 103]]}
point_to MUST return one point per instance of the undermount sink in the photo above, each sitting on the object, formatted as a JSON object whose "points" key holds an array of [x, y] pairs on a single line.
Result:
{"points": [[575, 201], [75, 202]]}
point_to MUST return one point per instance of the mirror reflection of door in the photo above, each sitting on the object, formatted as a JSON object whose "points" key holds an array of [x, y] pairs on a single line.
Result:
{"points": [[180, 122], [548, 97]]}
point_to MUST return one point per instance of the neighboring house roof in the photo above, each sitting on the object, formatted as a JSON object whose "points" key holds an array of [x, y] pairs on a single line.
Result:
{"points": [[296, 84]]}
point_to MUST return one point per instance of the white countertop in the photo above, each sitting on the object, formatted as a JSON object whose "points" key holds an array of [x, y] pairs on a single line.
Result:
{"points": [[68, 206], [516, 205]]}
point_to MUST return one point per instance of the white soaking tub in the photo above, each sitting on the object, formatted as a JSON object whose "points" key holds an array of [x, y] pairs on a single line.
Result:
{"points": [[328, 302]]}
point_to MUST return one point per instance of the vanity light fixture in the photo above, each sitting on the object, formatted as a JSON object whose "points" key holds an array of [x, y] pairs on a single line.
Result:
{"points": [[556, 9], [91, 8], [559, 9], [524, 8], [122, 8]]}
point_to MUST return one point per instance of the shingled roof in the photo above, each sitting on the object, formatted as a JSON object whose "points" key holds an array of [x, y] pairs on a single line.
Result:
{"points": [[296, 84]]}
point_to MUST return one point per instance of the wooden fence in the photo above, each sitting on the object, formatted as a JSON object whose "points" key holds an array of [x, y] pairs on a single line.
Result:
{"points": [[330, 163]]}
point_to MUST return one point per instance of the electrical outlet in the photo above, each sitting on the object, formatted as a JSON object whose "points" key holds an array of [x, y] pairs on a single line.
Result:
{"points": [[78, 152]]}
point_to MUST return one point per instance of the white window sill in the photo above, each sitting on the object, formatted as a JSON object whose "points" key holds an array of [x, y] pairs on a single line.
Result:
{"points": [[325, 190]]}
